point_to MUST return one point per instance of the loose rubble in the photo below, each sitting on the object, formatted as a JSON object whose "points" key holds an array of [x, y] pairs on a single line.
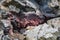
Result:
{"points": [[43, 30], [55, 22], [29, 20]]}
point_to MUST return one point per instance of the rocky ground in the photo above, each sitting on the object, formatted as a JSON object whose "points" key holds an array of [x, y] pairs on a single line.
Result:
{"points": [[32, 20]]}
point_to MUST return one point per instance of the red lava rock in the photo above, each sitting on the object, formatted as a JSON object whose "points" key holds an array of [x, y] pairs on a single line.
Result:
{"points": [[29, 20]]}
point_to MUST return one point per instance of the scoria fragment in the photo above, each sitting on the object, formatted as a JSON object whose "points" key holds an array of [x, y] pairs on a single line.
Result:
{"points": [[27, 20]]}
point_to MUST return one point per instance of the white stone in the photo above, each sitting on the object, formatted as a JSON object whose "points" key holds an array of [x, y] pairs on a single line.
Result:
{"points": [[13, 8], [6, 23], [55, 22], [43, 30], [1, 33]]}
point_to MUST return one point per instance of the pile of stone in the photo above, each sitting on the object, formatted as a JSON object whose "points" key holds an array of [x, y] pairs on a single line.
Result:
{"points": [[29, 20]]}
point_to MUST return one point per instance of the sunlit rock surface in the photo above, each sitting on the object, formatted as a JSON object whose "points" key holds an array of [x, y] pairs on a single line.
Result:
{"points": [[13, 8], [55, 22], [43, 30], [1, 33]]}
